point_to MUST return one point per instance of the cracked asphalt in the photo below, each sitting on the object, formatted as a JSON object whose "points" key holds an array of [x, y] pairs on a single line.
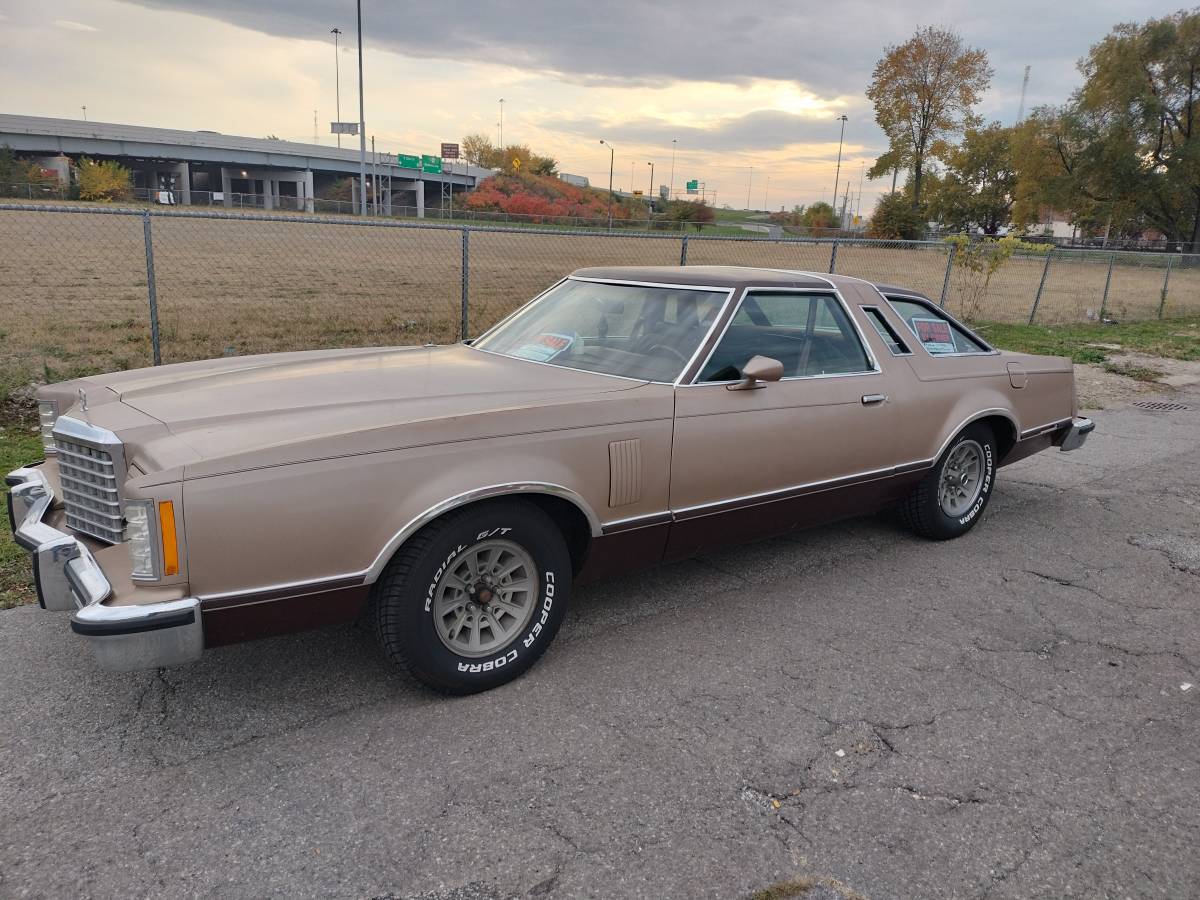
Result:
{"points": [[998, 716]]}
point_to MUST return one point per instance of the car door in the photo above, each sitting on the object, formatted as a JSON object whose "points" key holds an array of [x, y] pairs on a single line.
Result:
{"points": [[809, 447]]}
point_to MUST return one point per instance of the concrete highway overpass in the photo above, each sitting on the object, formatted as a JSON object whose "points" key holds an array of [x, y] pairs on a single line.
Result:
{"points": [[209, 168]]}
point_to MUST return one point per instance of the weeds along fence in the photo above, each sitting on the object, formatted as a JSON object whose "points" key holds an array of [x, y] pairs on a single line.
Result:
{"points": [[85, 289]]}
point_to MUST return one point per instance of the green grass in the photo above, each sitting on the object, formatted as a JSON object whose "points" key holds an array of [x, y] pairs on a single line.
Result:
{"points": [[19, 444], [1170, 338]]}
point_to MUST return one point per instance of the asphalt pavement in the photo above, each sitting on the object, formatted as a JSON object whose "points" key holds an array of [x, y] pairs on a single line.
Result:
{"points": [[1013, 714]]}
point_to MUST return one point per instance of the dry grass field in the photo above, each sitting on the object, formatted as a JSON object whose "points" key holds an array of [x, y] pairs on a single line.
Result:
{"points": [[74, 298]]}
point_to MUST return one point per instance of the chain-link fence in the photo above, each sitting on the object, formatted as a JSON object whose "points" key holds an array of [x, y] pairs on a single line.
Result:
{"points": [[87, 289]]}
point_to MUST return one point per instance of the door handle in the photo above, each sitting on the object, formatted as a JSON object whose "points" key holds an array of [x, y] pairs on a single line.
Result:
{"points": [[872, 399]]}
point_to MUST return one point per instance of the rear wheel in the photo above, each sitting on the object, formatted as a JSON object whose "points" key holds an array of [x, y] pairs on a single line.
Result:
{"points": [[475, 598], [953, 495]]}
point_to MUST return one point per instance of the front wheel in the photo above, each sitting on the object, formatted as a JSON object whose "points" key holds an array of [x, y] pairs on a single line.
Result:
{"points": [[951, 498], [475, 598]]}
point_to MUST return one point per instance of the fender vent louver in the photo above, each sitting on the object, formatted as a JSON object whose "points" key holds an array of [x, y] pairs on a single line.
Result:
{"points": [[624, 472]]}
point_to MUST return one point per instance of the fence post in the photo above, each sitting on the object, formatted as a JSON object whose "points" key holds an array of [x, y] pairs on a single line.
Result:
{"points": [[683, 250], [151, 288], [1107, 284], [466, 281], [1162, 303], [833, 257], [1041, 285], [946, 279]]}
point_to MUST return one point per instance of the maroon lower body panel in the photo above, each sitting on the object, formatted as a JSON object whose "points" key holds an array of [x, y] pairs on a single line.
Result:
{"points": [[1028, 447], [705, 530], [625, 551], [246, 618]]}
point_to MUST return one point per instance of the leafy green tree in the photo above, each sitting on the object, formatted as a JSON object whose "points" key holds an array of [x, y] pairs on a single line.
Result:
{"points": [[819, 215], [1125, 149], [896, 219], [979, 185], [924, 92]]}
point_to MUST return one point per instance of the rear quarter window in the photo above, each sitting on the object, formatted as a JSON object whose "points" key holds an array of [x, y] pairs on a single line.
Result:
{"points": [[936, 332]]}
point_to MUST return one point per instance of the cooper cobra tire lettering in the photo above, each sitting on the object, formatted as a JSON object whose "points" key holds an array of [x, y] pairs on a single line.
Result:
{"points": [[406, 596], [987, 486]]}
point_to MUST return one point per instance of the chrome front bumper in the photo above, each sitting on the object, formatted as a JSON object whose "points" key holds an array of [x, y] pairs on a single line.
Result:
{"points": [[1074, 435], [69, 579]]}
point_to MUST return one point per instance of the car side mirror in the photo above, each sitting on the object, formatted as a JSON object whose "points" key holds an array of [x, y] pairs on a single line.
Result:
{"points": [[758, 371]]}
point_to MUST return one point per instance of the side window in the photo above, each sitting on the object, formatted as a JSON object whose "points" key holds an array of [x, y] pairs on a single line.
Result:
{"points": [[809, 333], [886, 332], [937, 333]]}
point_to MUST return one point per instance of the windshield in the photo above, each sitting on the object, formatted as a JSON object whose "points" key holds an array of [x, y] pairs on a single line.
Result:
{"points": [[616, 329]]}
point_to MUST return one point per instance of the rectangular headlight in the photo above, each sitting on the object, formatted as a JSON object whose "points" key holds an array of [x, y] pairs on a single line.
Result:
{"points": [[139, 535], [47, 416]]}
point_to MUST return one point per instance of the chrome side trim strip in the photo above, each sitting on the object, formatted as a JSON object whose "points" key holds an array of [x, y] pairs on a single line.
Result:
{"points": [[1042, 429], [482, 493]]}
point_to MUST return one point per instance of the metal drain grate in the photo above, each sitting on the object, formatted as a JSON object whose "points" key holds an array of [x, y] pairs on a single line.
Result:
{"points": [[1159, 405]]}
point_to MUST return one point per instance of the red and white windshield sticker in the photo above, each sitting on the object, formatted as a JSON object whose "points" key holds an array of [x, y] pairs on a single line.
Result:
{"points": [[935, 334], [545, 346]]}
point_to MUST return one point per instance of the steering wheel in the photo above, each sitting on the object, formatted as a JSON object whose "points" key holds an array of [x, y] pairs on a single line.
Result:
{"points": [[656, 347]]}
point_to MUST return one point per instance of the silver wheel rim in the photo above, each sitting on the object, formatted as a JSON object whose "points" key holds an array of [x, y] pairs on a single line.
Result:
{"points": [[485, 598], [962, 479]]}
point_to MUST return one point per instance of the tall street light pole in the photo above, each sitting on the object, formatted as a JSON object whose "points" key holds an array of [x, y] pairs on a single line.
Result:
{"points": [[671, 189], [749, 184], [362, 123], [337, 79], [612, 155], [651, 192], [501, 124], [838, 173]]}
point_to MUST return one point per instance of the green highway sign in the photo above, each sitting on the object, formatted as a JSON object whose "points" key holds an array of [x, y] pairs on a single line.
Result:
{"points": [[431, 164], [693, 186], [409, 162]]}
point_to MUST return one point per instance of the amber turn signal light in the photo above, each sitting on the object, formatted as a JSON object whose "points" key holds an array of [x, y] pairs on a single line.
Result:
{"points": [[170, 541]]}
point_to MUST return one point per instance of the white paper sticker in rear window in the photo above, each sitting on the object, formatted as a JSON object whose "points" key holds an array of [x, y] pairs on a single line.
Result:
{"points": [[935, 334]]}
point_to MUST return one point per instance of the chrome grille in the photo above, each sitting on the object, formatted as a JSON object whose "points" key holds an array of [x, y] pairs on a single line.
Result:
{"points": [[90, 490]]}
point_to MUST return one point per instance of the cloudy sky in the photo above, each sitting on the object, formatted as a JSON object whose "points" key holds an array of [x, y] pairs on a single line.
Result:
{"points": [[737, 85]]}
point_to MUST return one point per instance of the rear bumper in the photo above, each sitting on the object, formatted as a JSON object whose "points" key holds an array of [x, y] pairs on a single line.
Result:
{"points": [[1074, 435], [122, 636]]}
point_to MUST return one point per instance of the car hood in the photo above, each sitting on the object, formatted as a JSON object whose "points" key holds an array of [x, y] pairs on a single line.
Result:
{"points": [[275, 409]]}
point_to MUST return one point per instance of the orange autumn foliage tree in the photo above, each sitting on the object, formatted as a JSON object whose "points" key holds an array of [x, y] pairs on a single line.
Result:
{"points": [[545, 195]]}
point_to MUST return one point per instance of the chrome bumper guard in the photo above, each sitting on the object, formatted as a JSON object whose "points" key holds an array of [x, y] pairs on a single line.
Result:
{"points": [[68, 579], [1075, 434]]}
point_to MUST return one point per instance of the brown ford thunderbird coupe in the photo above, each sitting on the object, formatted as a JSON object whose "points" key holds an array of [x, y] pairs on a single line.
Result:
{"points": [[454, 494]]}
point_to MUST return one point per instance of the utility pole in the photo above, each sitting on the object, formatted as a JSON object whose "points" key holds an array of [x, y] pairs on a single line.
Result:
{"points": [[337, 79], [765, 191], [650, 194], [861, 170], [845, 202], [671, 189], [631, 165], [502, 126], [612, 155], [749, 183], [838, 173], [362, 123]]}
